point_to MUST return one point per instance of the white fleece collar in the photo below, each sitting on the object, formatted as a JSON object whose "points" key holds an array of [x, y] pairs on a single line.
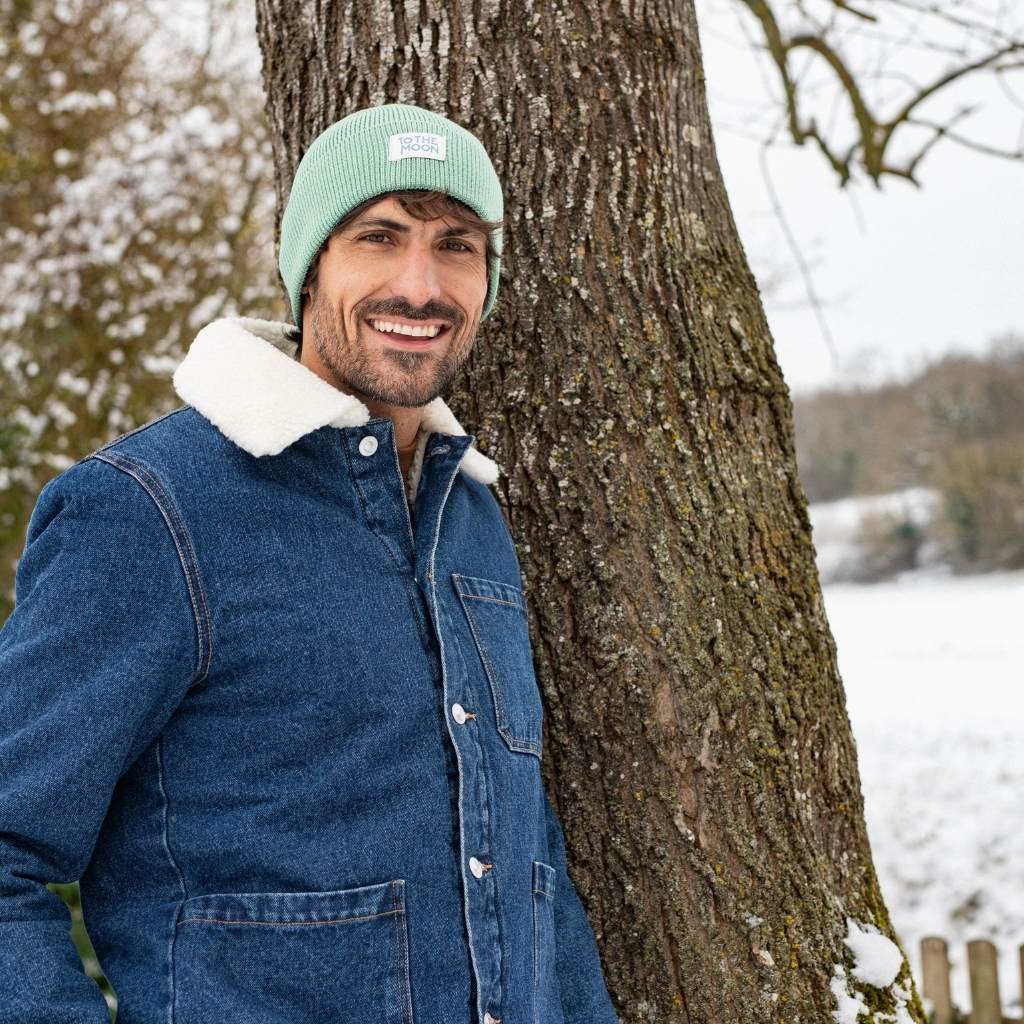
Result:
{"points": [[240, 375]]}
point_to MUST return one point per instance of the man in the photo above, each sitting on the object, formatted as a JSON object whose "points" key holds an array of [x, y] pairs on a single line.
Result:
{"points": [[285, 731]]}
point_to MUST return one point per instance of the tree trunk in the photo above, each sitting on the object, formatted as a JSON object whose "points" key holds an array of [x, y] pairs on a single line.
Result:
{"points": [[698, 748]]}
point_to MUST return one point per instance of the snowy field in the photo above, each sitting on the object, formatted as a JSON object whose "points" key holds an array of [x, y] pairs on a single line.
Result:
{"points": [[933, 668]]}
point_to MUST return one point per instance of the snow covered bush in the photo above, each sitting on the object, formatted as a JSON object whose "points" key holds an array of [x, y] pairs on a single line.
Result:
{"points": [[136, 204]]}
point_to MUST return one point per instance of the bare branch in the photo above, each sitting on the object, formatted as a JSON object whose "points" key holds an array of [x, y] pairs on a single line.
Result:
{"points": [[843, 6], [979, 147], [874, 135], [952, 76]]}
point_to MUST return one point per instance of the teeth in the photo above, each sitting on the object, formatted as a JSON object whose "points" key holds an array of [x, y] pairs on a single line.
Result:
{"points": [[415, 332]]}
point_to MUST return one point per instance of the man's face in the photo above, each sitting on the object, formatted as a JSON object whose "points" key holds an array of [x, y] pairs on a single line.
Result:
{"points": [[405, 272]]}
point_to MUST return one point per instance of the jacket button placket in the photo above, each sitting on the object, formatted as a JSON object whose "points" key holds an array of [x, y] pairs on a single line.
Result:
{"points": [[477, 867], [478, 871]]}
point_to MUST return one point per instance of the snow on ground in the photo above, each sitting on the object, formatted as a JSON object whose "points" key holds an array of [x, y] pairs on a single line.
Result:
{"points": [[933, 668]]}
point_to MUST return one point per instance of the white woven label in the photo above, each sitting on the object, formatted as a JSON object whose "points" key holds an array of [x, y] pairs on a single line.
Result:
{"points": [[416, 144]]}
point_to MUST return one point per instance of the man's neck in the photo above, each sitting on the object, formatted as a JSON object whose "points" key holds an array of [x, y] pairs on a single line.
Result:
{"points": [[406, 454]]}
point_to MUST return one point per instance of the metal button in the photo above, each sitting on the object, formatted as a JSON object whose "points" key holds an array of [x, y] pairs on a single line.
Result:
{"points": [[368, 445], [476, 867], [488, 1019], [459, 714]]}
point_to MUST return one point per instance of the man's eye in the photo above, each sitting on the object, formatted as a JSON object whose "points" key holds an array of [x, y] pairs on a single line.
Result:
{"points": [[450, 241]]}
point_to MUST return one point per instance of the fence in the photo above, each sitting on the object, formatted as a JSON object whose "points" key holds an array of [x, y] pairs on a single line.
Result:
{"points": [[982, 962]]}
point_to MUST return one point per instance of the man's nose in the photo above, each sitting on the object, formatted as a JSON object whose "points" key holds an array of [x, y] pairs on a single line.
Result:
{"points": [[418, 277]]}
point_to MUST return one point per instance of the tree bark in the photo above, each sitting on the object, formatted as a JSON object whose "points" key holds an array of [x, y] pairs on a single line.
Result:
{"points": [[698, 749]]}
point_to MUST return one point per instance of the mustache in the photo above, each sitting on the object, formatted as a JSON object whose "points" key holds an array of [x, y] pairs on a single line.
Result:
{"points": [[452, 316]]}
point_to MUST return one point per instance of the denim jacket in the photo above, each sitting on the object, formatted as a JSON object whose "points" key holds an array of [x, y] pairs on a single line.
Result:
{"points": [[283, 727]]}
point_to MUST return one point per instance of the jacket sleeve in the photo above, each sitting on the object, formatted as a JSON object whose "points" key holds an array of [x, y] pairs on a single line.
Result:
{"points": [[100, 648], [581, 984]]}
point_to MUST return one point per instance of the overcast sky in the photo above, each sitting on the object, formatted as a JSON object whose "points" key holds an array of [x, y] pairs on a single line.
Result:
{"points": [[903, 273]]}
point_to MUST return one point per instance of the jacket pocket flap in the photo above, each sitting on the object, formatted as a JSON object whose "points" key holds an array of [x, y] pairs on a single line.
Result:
{"points": [[543, 878], [496, 613], [328, 907]]}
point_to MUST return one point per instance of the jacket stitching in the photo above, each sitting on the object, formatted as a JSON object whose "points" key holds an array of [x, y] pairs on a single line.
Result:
{"points": [[437, 525], [166, 840], [398, 945], [402, 960], [536, 963], [289, 924], [136, 430], [405, 500], [477, 586], [199, 602], [165, 837], [496, 600], [487, 832], [204, 640], [197, 596]]}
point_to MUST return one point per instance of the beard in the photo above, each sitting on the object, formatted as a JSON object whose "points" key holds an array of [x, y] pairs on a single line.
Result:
{"points": [[390, 376]]}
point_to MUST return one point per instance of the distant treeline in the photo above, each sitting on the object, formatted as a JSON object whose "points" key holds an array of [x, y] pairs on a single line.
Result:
{"points": [[957, 427]]}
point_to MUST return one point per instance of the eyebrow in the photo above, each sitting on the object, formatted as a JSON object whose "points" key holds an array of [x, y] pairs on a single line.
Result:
{"points": [[394, 225]]}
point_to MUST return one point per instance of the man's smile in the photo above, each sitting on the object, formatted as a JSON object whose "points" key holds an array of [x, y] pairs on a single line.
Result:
{"points": [[409, 335]]}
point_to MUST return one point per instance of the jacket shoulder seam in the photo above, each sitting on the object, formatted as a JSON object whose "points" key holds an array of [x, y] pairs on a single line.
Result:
{"points": [[175, 524], [136, 430]]}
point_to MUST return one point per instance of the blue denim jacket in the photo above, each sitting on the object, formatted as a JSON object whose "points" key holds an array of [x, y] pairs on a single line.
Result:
{"points": [[283, 727]]}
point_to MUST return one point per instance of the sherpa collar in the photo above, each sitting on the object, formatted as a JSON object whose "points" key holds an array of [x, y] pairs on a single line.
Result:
{"points": [[240, 375]]}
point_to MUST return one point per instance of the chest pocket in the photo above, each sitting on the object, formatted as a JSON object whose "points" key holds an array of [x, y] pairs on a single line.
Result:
{"points": [[497, 618]]}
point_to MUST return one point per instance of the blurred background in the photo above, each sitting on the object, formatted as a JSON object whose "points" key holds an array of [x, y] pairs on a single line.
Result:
{"points": [[137, 204]]}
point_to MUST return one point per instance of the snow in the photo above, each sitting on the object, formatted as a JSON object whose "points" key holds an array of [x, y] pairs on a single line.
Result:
{"points": [[877, 959], [849, 1005], [932, 666]]}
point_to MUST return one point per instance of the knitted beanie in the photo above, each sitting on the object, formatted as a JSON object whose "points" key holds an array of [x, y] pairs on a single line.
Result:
{"points": [[377, 150]]}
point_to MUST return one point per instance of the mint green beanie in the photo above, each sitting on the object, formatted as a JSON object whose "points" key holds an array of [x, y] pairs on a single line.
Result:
{"points": [[378, 150]]}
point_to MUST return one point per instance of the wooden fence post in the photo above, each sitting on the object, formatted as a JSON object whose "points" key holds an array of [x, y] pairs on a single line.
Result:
{"points": [[985, 1005], [935, 968], [1020, 954]]}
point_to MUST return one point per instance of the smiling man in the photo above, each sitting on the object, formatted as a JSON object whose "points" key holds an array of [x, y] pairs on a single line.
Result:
{"points": [[267, 689], [392, 303]]}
